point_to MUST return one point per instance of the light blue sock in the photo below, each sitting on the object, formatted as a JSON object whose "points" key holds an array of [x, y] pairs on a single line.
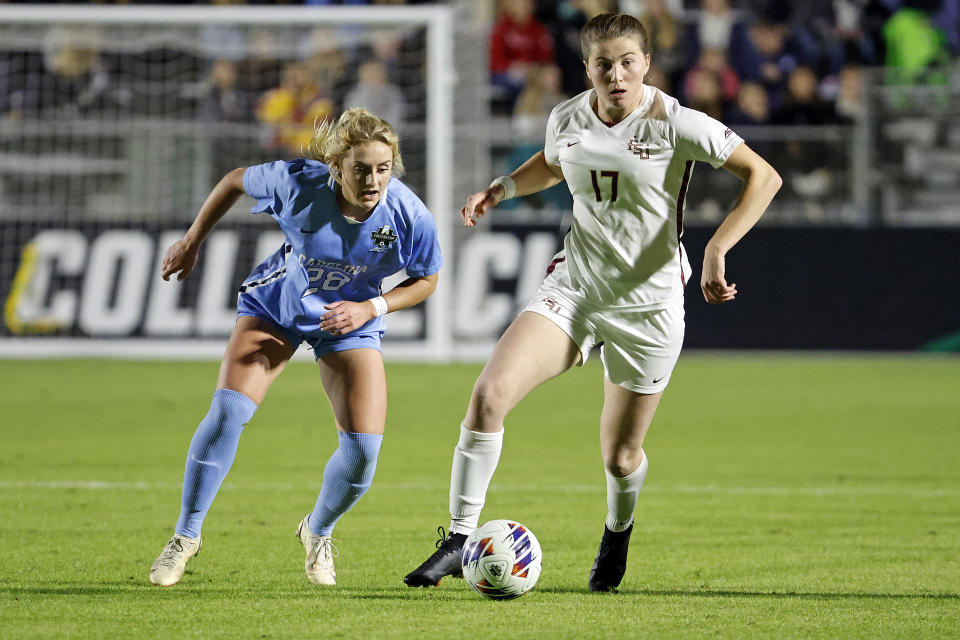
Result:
{"points": [[210, 456], [346, 477]]}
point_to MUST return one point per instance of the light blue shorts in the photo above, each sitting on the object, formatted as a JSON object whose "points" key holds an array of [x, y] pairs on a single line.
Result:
{"points": [[259, 302]]}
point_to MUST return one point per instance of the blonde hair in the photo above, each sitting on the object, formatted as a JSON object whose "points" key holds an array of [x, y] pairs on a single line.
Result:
{"points": [[610, 26], [333, 140]]}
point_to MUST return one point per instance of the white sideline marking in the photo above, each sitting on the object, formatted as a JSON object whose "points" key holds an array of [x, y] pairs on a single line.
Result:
{"points": [[98, 485]]}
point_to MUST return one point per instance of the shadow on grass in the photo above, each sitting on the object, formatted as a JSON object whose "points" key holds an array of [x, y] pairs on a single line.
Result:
{"points": [[443, 595], [71, 589], [221, 589], [731, 593]]}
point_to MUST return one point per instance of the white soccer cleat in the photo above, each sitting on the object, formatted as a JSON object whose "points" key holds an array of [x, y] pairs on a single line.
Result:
{"points": [[320, 554], [169, 567]]}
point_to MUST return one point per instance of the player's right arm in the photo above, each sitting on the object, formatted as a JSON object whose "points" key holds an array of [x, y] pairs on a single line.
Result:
{"points": [[181, 256], [536, 174]]}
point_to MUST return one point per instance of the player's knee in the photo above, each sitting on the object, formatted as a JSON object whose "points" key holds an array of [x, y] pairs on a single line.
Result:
{"points": [[220, 429], [622, 461], [229, 407], [359, 452], [360, 422], [491, 398]]}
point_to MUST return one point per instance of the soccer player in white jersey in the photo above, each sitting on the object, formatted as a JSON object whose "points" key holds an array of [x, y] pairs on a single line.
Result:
{"points": [[347, 226], [626, 151]]}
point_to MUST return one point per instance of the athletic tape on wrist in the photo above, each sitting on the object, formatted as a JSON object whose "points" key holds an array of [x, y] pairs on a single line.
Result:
{"points": [[508, 184], [380, 304]]}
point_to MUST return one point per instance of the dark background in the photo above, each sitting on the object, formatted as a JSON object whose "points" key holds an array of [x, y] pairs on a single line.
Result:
{"points": [[831, 288]]}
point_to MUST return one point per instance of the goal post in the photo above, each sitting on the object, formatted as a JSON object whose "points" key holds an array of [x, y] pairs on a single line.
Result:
{"points": [[116, 121]]}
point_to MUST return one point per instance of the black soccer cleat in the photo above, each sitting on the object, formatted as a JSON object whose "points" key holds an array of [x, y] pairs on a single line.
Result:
{"points": [[611, 562], [445, 561]]}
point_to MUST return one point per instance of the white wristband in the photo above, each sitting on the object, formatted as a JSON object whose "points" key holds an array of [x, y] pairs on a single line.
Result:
{"points": [[508, 184], [380, 304]]}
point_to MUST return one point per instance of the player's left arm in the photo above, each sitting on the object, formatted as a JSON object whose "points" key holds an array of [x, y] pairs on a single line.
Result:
{"points": [[344, 316], [760, 183]]}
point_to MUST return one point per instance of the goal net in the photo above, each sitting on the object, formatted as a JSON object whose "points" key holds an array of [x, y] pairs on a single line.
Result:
{"points": [[115, 123]]}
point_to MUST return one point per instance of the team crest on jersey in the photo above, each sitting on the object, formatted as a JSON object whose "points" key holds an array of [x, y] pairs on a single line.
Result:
{"points": [[383, 238], [639, 148]]}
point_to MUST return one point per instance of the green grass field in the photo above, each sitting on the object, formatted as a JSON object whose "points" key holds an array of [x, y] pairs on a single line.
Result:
{"points": [[806, 497]]}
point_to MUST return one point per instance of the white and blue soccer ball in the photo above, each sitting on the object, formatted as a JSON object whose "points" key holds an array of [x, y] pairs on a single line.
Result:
{"points": [[502, 559]]}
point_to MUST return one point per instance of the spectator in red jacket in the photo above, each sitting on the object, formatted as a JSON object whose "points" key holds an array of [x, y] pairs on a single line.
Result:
{"points": [[713, 62], [518, 43]]}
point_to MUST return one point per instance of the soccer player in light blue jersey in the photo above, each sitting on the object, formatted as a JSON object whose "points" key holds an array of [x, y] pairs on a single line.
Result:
{"points": [[347, 226]]}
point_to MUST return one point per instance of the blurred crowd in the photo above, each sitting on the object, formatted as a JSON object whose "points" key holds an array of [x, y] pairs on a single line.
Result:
{"points": [[744, 62], [751, 62], [748, 63], [283, 80]]}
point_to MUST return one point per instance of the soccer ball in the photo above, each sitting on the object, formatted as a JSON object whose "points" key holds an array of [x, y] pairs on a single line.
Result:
{"points": [[502, 559]]}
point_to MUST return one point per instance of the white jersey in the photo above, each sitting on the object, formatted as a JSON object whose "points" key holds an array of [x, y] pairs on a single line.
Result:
{"points": [[628, 183]]}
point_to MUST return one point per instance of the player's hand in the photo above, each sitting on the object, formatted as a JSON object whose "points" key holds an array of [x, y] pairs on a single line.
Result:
{"points": [[713, 282], [479, 203], [181, 256], [344, 316]]}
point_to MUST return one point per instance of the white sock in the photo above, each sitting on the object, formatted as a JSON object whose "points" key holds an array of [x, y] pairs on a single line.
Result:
{"points": [[474, 461], [622, 496]]}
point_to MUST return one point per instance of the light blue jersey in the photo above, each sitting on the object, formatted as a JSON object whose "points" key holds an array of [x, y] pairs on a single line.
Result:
{"points": [[326, 257]]}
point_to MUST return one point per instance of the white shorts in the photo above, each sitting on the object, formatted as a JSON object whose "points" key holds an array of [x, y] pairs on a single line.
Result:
{"points": [[639, 349]]}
